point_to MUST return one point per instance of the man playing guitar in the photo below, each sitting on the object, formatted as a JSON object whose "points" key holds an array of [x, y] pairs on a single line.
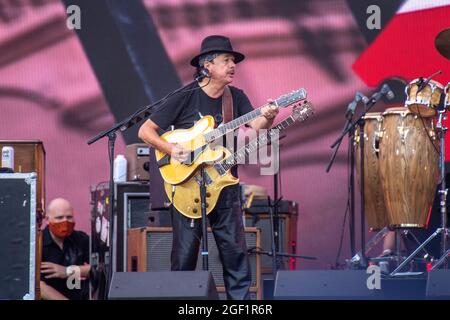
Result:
{"points": [[217, 60]]}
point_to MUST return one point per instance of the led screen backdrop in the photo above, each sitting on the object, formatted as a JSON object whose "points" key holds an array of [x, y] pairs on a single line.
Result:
{"points": [[49, 90]]}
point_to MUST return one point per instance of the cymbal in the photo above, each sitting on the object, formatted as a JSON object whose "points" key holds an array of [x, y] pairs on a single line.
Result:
{"points": [[442, 43]]}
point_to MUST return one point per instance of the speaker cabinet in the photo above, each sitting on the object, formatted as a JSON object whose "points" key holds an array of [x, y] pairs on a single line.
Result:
{"points": [[29, 156], [133, 211], [438, 284], [173, 285], [149, 249], [20, 239], [323, 284], [138, 161]]}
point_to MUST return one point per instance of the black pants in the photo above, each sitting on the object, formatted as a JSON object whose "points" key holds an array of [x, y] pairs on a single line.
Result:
{"points": [[226, 224]]}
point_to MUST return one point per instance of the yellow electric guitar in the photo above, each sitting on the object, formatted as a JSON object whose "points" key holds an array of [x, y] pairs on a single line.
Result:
{"points": [[198, 138], [186, 196]]}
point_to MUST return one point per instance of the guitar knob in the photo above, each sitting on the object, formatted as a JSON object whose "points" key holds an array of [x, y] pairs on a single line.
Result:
{"points": [[194, 210], [207, 205], [208, 194], [196, 200]]}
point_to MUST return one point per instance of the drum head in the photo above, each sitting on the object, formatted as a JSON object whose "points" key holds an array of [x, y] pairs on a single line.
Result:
{"points": [[431, 82], [373, 115], [425, 101]]}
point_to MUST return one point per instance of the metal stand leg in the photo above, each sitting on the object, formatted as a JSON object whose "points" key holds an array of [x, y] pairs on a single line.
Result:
{"points": [[442, 260], [407, 234], [363, 261], [205, 252], [398, 246], [412, 255], [355, 262]]}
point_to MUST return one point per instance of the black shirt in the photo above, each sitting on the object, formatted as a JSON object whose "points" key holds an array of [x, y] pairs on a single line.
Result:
{"points": [[184, 109], [75, 252]]}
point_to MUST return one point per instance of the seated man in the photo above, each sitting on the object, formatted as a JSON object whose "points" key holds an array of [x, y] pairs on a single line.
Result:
{"points": [[65, 255]]}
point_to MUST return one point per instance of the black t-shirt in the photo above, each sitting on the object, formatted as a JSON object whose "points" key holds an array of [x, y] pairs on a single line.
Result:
{"points": [[184, 109], [75, 252]]}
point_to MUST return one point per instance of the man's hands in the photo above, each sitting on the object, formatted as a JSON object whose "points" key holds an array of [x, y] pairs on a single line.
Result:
{"points": [[53, 270], [180, 153], [270, 111]]}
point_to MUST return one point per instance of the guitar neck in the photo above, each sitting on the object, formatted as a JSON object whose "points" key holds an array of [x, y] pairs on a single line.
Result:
{"points": [[255, 144], [281, 102], [232, 125]]}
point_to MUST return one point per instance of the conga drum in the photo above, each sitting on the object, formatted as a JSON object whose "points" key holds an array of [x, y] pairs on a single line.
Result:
{"points": [[426, 101], [374, 207], [409, 167]]}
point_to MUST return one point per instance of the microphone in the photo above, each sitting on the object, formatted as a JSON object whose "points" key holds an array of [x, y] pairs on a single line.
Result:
{"points": [[384, 91], [352, 105], [364, 99], [204, 73], [425, 83]]}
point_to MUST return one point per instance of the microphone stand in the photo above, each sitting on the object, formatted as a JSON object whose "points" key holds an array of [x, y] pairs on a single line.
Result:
{"points": [[205, 253], [349, 116], [350, 126], [361, 122], [123, 125], [425, 82]]}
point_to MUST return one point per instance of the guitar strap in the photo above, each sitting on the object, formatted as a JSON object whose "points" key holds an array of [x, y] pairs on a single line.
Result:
{"points": [[227, 105]]}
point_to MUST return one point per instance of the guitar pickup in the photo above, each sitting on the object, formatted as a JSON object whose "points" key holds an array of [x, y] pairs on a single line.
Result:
{"points": [[208, 179], [220, 169]]}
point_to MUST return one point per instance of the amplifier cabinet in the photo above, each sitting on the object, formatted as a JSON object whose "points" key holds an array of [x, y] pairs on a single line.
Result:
{"points": [[149, 249], [20, 238], [138, 162], [99, 248], [29, 156], [131, 209]]}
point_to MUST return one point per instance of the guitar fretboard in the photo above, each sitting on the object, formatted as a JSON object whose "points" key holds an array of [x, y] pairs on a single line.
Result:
{"points": [[281, 102], [252, 146], [232, 125]]}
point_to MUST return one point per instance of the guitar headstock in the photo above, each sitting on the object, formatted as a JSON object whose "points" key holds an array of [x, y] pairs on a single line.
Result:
{"points": [[290, 98], [302, 111]]}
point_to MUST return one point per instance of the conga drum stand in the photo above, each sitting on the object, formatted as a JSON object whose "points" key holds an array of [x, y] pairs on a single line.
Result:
{"points": [[356, 262], [443, 230]]}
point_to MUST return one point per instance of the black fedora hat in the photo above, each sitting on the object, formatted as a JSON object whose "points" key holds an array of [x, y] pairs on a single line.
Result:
{"points": [[216, 43]]}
